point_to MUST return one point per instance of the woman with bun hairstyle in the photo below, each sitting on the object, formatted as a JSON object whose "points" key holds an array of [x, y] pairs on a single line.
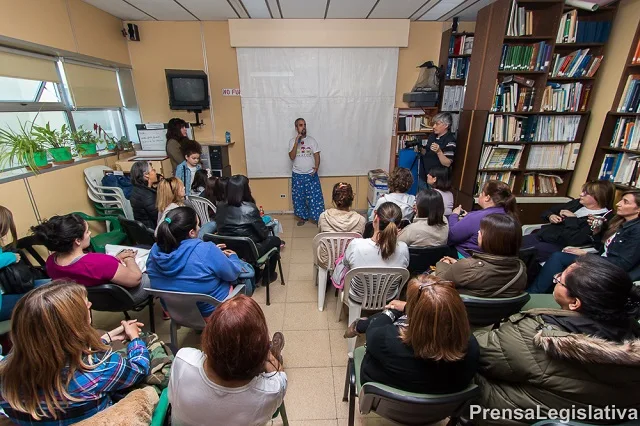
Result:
{"points": [[68, 237], [495, 197]]}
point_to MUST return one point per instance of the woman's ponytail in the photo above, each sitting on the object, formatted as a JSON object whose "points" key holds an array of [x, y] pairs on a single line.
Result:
{"points": [[501, 195], [510, 206], [389, 217], [175, 228]]}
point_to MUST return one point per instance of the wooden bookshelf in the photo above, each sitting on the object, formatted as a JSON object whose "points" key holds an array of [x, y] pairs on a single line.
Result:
{"points": [[609, 127], [490, 36], [398, 135]]}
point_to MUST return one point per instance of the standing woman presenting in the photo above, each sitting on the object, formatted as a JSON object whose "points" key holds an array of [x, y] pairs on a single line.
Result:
{"points": [[176, 132]]}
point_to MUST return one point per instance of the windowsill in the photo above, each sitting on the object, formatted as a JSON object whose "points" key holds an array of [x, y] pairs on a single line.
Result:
{"points": [[23, 172]]}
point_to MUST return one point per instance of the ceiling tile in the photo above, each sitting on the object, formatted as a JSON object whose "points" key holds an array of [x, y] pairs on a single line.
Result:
{"points": [[273, 6], [120, 9], [440, 9], [303, 9], [257, 9], [349, 9], [209, 10], [471, 13], [397, 9], [164, 10]]}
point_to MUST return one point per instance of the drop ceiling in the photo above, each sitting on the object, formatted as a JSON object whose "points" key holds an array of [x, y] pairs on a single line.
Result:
{"points": [[215, 10]]}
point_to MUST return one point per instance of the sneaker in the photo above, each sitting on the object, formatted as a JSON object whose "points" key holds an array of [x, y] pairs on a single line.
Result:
{"points": [[165, 315], [301, 222], [351, 330], [277, 343]]}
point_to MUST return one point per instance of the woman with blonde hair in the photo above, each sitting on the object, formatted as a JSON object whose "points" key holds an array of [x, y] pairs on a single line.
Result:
{"points": [[60, 370], [423, 345], [171, 194]]}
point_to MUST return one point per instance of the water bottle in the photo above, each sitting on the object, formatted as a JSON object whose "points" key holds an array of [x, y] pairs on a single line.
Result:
{"points": [[227, 137], [261, 211]]}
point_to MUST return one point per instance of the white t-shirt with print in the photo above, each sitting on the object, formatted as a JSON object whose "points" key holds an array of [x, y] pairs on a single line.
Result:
{"points": [[304, 162]]}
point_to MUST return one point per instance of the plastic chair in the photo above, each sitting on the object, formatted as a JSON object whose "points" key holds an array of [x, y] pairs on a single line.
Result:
{"points": [[380, 285], [93, 177], [114, 236], [183, 309], [26, 246], [162, 414], [114, 298], [483, 311], [335, 244], [399, 406], [202, 206], [108, 199], [422, 258], [137, 233], [537, 301], [247, 250]]}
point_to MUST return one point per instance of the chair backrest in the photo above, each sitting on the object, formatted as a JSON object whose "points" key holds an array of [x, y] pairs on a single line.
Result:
{"points": [[335, 244], [483, 311], [422, 258], [110, 298], [411, 408], [26, 244], [182, 307], [93, 175], [137, 233], [201, 205], [244, 247], [379, 284]]}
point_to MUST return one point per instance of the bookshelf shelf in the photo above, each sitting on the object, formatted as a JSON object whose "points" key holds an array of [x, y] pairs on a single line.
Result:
{"points": [[527, 143], [521, 72], [499, 170], [523, 113], [578, 45], [467, 55], [454, 81], [628, 151], [526, 39], [625, 114], [569, 78]]}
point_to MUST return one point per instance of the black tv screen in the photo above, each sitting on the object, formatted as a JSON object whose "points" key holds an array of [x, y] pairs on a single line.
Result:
{"points": [[188, 90]]}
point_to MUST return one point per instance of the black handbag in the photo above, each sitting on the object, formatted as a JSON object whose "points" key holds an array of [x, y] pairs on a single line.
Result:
{"points": [[18, 278]]}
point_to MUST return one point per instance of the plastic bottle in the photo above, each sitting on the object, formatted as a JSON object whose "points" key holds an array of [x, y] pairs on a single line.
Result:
{"points": [[261, 211], [227, 137]]}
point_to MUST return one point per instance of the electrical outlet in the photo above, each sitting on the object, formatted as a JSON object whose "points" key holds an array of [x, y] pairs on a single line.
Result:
{"points": [[283, 195]]}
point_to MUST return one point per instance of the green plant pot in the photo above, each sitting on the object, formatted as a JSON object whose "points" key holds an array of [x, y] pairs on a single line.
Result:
{"points": [[39, 159], [111, 147], [87, 149], [61, 155]]}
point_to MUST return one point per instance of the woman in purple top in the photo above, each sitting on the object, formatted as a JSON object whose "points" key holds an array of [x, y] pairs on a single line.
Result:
{"points": [[495, 197]]}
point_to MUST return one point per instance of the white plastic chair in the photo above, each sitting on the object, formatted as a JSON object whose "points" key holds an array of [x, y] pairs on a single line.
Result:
{"points": [[335, 244], [201, 205], [105, 194], [380, 285]]}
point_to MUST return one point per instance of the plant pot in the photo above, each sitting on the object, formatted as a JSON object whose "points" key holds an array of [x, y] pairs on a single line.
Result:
{"points": [[61, 155], [87, 149], [39, 159], [111, 147]]}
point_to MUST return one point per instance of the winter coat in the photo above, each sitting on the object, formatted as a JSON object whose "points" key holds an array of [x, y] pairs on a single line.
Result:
{"points": [[624, 249], [572, 231], [421, 234], [143, 204], [335, 220], [558, 359], [482, 274], [243, 221]]}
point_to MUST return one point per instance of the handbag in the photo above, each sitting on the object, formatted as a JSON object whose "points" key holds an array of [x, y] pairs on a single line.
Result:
{"points": [[339, 273], [17, 278]]}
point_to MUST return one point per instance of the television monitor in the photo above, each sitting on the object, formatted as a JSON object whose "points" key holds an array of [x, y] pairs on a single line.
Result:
{"points": [[188, 90]]}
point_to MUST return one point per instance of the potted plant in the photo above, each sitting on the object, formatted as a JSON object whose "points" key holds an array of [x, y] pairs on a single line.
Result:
{"points": [[85, 142], [110, 140], [57, 142], [22, 147]]}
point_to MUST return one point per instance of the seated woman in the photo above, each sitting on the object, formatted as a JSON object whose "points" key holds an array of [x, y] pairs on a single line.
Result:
{"points": [[67, 237], [179, 261], [495, 197], [568, 222], [199, 182], [236, 379], [143, 194], [171, 193], [60, 370], [438, 178], [497, 271], [621, 245], [239, 217], [341, 218], [431, 350], [429, 227], [584, 354], [383, 249], [400, 182]]}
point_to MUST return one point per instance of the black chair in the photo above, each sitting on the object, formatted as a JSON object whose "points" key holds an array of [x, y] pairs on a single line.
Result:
{"points": [[422, 258], [483, 311], [368, 227], [138, 234], [246, 249], [26, 246], [114, 298], [635, 274], [529, 256]]}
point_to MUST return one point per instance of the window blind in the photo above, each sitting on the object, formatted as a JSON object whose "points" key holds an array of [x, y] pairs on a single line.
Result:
{"points": [[92, 87], [27, 67]]}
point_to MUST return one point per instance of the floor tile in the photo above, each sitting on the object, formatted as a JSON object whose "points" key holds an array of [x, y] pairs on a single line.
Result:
{"points": [[304, 256], [301, 291], [300, 272], [302, 243], [305, 231], [277, 293], [339, 348], [342, 408], [314, 423], [310, 394], [304, 316], [274, 315], [308, 348]]}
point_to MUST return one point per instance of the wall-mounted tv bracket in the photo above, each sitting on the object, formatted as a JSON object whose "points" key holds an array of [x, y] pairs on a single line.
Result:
{"points": [[198, 123]]}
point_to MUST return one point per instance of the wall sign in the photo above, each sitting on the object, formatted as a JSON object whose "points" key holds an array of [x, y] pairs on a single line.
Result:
{"points": [[230, 92]]}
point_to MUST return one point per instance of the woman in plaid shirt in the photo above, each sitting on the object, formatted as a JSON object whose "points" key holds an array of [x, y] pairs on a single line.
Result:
{"points": [[60, 370]]}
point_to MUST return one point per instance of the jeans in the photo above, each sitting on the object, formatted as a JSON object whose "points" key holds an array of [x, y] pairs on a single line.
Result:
{"points": [[544, 249], [208, 228], [557, 263], [9, 300]]}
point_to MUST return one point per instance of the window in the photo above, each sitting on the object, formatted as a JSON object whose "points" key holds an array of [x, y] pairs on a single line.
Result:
{"points": [[109, 120]]}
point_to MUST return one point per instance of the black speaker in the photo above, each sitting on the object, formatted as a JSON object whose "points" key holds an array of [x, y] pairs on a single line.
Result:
{"points": [[454, 27], [134, 35]]}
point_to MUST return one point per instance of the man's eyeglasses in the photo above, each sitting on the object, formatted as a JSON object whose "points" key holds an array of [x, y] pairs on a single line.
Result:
{"points": [[556, 280]]}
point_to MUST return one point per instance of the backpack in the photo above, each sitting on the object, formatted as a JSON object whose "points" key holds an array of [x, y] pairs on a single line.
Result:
{"points": [[17, 278], [339, 273], [429, 78]]}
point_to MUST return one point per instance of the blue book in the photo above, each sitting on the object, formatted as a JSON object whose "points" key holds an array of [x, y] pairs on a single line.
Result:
{"points": [[607, 168]]}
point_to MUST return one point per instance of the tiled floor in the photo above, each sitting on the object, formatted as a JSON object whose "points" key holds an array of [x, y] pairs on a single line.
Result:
{"points": [[315, 352]]}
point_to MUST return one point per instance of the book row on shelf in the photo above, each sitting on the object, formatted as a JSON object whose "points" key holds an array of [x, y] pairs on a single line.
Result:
{"points": [[520, 21], [452, 98], [414, 123], [621, 168], [514, 94], [569, 97], [506, 177], [630, 100], [574, 30], [626, 134], [534, 128], [460, 44], [540, 184], [525, 57], [554, 157], [501, 156], [457, 68], [576, 64]]}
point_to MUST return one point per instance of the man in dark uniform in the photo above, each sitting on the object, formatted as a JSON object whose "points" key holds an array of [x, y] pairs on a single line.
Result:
{"points": [[439, 149]]}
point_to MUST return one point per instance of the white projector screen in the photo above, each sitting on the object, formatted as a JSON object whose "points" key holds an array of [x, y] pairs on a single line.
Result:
{"points": [[346, 96]]}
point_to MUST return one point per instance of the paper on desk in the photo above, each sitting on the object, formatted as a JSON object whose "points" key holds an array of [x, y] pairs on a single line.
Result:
{"points": [[141, 256]]}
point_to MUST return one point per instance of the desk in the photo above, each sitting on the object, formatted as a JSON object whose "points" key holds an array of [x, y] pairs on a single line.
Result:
{"points": [[162, 165]]}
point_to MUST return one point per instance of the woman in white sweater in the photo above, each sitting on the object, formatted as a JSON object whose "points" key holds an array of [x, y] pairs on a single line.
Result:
{"points": [[383, 249], [400, 182], [430, 228]]}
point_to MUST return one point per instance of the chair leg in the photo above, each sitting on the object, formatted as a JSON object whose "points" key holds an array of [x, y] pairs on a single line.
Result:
{"points": [[283, 414], [280, 269], [126, 315], [339, 306], [345, 395], [322, 287], [352, 396], [354, 313], [173, 330], [266, 280], [315, 273], [152, 317]]}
